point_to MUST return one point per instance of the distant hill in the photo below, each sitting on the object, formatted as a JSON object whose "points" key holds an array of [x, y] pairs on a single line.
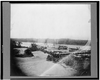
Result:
{"points": [[72, 42], [24, 39], [54, 41]]}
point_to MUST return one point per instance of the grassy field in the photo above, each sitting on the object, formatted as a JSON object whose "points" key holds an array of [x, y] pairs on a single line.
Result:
{"points": [[34, 65]]}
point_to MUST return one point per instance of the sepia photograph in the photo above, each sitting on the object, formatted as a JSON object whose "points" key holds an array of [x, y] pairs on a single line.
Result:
{"points": [[50, 40]]}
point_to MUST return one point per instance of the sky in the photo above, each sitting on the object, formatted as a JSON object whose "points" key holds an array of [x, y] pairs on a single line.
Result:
{"points": [[51, 21]]}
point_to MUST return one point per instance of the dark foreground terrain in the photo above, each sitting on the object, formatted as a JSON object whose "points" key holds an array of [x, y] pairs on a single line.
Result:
{"points": [[39, 66], [53, 61]]}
